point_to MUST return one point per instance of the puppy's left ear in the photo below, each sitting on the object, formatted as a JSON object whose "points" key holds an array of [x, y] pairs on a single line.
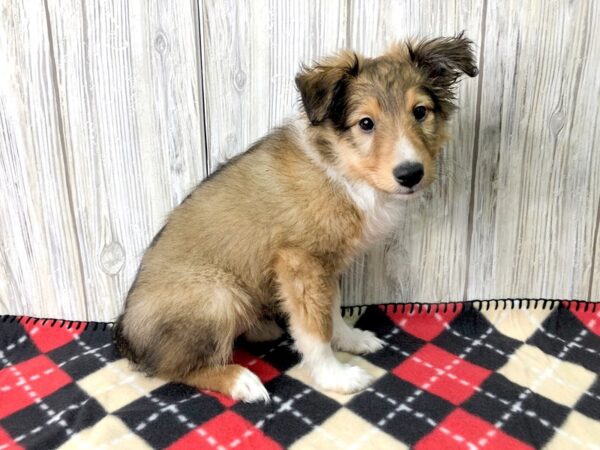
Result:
{"points": [[443, 61], [323, 87]]}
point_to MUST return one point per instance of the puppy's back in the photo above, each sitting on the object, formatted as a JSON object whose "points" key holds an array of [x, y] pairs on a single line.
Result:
{"points": [[270, 197]]}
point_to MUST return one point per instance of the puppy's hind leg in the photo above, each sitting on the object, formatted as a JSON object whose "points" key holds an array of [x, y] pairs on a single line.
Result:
{"points": [[307, 291], [233, 380], [186, 333]]}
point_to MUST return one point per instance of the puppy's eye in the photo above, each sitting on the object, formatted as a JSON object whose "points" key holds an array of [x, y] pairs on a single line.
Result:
{"points": [[420, 112], [366, 124]]}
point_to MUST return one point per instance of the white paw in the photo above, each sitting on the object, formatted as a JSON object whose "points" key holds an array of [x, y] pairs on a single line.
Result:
{"points": [[263, 331], [344, 378], [358, 341], [249, 388]]}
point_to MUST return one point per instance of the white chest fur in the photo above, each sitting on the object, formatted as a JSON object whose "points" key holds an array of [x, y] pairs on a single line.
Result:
{"points": [[380, 210]]}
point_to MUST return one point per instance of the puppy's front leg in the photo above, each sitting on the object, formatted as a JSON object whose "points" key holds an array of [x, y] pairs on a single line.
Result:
{"points": [[347, 338], [308, 293]]}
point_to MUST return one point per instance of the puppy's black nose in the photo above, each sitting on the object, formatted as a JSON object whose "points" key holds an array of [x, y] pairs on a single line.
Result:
{"points": [[408, 174]]}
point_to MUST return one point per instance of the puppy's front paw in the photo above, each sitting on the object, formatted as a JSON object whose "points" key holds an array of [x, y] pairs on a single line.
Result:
{"points": [[358, 341], [344, 379]]}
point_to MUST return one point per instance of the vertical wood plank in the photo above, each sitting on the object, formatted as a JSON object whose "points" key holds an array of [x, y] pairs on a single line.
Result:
{"points": [[426, 259], [251, 53], [40, 270], [537, 184], [594, 291], [128, 80]]}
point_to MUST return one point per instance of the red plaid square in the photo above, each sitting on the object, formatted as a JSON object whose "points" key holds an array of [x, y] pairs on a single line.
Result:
{"points": [[265, 371], [226, 401], [227, 430], [22, 384], [441, 373], [589, 318], [422, 325], [461, 430], [6, 442], [47, 337]]}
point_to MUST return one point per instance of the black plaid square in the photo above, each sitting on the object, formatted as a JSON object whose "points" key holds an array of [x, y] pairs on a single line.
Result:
{"points": [[85, 355], [471, 335], [589, 403], [400, 409], [562, 334], [295, 409], [51, 422], [15, 344], [168, 413], [279, 353], [517, 410], [399, 344]]}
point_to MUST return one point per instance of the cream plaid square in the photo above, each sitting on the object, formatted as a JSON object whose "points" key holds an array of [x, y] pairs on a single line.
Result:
{"points": [[578, 431], [110, 432], [557, 380], [517, 326], [117, 385], [345, 429], [302, 374]]}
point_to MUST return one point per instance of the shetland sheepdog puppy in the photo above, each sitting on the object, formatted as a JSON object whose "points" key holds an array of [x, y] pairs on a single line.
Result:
{"points": [[274, 228]]}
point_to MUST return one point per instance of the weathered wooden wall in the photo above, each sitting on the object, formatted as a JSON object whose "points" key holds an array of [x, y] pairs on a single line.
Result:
{"points": [[102, 135], [110, 112]]}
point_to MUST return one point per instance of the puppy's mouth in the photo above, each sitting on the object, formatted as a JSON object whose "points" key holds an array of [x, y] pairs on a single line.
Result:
{"points": [[406, 193]]}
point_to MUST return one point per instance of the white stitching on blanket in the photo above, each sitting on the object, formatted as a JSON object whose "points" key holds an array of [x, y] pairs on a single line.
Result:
{"points": [[433, 378], [570, 344], [418, 415], [475, 342], [8, 387], [287, 406], [76, 406], [530, 413], [138, 388], [23, 380], [569, 385], [539, 327], [487, 393], [125, 381], [37, 401], [516, 406], [171, 408], [497, 350], [12, 346], [55, 416]]}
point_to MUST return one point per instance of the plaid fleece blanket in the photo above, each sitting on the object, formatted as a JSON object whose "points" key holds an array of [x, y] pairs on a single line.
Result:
{"points": [[516, 374]]}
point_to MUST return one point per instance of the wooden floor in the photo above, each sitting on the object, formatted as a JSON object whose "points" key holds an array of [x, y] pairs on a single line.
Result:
{"points": [[110, 112]]}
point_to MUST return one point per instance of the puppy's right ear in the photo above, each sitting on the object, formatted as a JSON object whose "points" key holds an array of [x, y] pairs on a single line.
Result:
{"points": [[323, 87]]}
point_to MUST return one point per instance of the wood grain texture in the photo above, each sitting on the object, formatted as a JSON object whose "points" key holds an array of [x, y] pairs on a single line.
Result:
{"points": [[40, 270], [594, 291], [537, 180], [251, 53], [130, 98], [426, 258], [110, 112]]}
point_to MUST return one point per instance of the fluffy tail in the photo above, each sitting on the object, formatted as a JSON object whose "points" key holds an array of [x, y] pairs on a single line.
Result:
{"points": [[121, 343]]}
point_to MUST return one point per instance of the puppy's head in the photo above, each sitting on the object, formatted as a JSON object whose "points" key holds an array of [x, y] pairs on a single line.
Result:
{"points": [[383, 120]]}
